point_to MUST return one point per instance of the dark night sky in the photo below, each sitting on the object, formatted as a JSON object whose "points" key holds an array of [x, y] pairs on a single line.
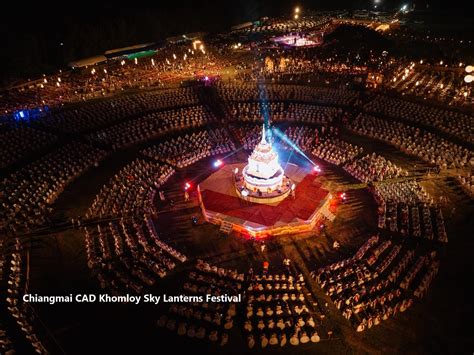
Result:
{"points": [[32, 34]]}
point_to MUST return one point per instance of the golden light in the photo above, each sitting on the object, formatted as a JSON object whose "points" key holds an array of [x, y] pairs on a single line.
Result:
{"points": [[465, 93], [195, 43], [469, 78], [296, 16], [122, 63], [297, 10], [105, 71], [469, 68], [383, 27]]}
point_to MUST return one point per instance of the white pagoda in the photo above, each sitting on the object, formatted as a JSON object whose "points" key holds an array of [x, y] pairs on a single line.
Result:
{"points": [[263, 172]]}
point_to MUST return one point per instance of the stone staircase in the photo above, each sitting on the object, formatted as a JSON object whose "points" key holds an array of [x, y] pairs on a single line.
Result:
{"points": [[226, 227]]}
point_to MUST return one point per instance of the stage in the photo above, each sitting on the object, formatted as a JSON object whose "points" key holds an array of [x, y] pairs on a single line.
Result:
{"points": [[220, 204]]}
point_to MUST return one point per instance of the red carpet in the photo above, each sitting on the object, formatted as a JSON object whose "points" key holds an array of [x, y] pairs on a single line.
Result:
{"points": [[308, 198]]}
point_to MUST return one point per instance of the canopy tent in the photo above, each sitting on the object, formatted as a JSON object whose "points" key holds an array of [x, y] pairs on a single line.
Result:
{"points": [[87, 61]]}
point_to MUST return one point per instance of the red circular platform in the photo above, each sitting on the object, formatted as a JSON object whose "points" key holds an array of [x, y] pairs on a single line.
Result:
{"points": [[220, 204]]}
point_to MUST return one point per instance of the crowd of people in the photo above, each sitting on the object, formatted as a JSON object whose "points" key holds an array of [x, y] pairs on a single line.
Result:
{"points": [[27, 194], [248, 135], [14, 149], [314, 95], [453, 123], [278, 312], [127, 256], [443, 84], [282, 111], [407, 208], [284, 25], [96, 114], [302, 136], [171, 64], [6, 345], [374, 167], [377, 282], [190, 148], [131, 191], [180, 126], [336, 151], [427, 146], [152, 125], [466, 179], [203, 320], [12, 280]]}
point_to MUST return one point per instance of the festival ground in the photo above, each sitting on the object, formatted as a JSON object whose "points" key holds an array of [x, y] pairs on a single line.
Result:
{"points": [[65, 269]]}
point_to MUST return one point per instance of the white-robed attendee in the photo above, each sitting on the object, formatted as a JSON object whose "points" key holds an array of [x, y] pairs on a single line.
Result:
{"points": [[213, 336], [229, 323], [294, 340], [201, 333], [315, 337], [304, 338], [224, 339], [191, 331], [182, 328], [163, 321], [250, 341], [273, 339], [171, 325]]}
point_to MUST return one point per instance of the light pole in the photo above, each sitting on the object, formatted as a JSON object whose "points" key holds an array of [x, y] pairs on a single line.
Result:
{"points": [[469, 78], [296, 13]]}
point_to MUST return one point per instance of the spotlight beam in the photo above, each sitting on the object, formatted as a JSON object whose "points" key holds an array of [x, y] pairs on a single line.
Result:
{"points": [[232, 153], [289, 157], [292, 144], [204, 172]]}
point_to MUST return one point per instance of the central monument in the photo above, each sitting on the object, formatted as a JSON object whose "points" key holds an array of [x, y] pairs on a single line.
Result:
{"points": [[259, 198], [263, 179]]}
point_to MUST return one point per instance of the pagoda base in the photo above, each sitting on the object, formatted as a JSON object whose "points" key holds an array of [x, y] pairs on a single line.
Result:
{"points": [[221, 204], [259, 195], [265, 198]]}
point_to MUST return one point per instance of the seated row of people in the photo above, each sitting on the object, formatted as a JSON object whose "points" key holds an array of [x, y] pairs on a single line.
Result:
{"points": [[28, 193], [152, 125], [190, 148]]}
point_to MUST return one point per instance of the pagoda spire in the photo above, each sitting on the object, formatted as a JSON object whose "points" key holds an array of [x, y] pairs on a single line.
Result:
{"points": [[264, 140]]}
